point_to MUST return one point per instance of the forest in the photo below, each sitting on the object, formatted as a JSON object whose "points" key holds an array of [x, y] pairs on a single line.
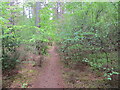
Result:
{"points": [[59, 44]]}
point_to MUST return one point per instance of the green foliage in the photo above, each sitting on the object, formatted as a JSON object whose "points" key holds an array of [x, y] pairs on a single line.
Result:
{"points": [[24, 85], [88, 34], [18, 30]]}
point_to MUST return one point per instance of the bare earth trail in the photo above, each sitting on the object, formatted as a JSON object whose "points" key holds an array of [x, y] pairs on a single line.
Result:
{"points": [[51, 76]]}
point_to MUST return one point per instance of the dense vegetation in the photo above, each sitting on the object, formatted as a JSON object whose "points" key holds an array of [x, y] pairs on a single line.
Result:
{"points": [[89, 34], [85, 32], [18, 30]]}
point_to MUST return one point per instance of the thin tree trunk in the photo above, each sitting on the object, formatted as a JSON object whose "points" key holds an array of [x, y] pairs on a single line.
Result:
{"points": [[3, 48], [37, 8]]}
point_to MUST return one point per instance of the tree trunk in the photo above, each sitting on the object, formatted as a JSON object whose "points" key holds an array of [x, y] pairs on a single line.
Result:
{"points": [[37, 8]]}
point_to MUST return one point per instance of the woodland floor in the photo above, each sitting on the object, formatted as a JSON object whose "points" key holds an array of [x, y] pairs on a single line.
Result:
{"points": [[51, 76], [54, 74]]}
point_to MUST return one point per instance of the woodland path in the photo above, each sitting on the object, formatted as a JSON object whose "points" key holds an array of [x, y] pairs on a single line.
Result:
{"points": [[51, 76]]}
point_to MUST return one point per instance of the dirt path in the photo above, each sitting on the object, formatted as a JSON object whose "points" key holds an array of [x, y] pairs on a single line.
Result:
{"points": [[51, 76]]}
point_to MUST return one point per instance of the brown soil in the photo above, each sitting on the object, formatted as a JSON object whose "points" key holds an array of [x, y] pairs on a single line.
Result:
{"points": [[51, 76], [79, 75]]}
